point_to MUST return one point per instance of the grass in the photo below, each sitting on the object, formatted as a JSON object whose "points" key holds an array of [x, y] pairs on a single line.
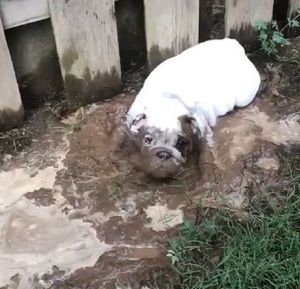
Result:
{"points": [[115, 191], [225, 253]]}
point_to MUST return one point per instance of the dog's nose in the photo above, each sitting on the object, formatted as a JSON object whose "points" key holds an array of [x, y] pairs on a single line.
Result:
{"points": [[163, 155]]}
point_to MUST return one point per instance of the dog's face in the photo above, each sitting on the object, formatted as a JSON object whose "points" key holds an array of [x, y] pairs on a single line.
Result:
{"points": [[164, 153]]}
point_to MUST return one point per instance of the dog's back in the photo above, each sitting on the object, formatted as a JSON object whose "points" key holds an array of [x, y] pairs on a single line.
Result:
{"points": [[214, 76]]}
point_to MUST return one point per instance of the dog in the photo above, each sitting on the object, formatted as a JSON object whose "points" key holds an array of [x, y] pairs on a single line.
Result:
{"points": [[181, 99]]}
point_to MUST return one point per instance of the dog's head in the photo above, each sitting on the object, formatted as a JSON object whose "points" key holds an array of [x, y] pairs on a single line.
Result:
{"points": [[162, 153]]}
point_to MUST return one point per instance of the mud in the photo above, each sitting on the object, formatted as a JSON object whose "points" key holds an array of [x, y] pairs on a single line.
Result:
{"points": [[35, 124], [74, 213], [82, 220]]}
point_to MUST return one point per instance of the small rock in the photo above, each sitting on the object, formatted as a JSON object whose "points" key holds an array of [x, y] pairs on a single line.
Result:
{"points": [[268, 164], [7, 157]]}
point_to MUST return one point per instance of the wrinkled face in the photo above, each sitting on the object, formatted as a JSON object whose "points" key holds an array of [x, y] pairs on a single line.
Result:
{"points": [[164, 153]]}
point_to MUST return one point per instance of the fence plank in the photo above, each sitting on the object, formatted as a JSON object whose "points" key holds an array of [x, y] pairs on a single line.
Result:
{"points": [[171, 26], [87, 45], [19, 12], [241, 17], [294, 5], [11, 108]]}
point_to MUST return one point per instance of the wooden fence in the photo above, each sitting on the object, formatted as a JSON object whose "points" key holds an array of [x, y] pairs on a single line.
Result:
{"points": [[87, 44]]}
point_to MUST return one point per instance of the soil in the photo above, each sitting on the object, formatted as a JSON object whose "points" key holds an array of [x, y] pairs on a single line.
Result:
{"points": [[74, 213]]}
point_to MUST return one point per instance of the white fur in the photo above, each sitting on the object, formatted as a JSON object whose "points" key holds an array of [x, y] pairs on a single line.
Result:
{"points": [[205, 81]]}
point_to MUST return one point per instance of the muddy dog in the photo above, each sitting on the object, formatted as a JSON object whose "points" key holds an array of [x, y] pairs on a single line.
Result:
{"points": [[181, 99]]}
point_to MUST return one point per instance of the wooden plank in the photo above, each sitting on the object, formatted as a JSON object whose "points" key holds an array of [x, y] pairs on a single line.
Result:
{"points": [[87, 45], [11, 109], [294, 5], [171, 26], [241, 17], [19, 12]]}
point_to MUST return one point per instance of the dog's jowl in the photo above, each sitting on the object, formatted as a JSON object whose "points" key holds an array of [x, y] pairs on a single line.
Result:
{"points": [[181, 100]]}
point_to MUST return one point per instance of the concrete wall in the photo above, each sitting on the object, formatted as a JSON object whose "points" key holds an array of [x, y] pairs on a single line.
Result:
{"points": [[35, 61], [11, 109]]}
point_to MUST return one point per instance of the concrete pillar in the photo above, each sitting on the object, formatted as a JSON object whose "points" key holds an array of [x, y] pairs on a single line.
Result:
{"points": [[87, 45], [11, 108], [171, 27], [241, 17]]}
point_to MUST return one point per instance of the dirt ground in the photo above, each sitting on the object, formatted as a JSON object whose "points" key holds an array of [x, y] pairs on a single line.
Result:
{"points": [[75, 214]]}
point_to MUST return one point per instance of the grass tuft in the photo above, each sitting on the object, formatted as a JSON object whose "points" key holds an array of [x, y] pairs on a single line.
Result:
{"points": [[223, 252]]}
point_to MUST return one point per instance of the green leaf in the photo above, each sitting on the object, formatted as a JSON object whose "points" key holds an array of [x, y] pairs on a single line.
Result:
{"points": [[278, 37], [269, 47], [274, 24], [262, 35], [209, 227], [287, 42], [115, 191], [296, 23], [261, 25], [173, 256], [293, 23]]}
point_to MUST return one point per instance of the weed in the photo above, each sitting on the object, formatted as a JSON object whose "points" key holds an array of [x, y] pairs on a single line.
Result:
{"points": [[115, 191], [271, 37], [223, 252], [148, 196], [167, 218]]}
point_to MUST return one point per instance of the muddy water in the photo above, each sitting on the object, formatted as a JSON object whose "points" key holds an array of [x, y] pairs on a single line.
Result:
{"points": [[74, 212]]}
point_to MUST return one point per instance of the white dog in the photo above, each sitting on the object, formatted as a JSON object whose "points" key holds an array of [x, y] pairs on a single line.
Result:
{"points": [[182, 98]]}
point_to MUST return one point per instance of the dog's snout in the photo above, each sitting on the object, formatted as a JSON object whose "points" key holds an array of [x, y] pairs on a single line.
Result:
{"points": [[163, 155]]}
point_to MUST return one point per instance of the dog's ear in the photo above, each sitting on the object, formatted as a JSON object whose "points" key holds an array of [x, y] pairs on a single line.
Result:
{"points": [[190, 125], [191, 130], [137, 122]]}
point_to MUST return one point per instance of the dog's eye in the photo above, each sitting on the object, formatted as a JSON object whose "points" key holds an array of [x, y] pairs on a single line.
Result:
{"points": [[181, 143], [148, 139]]}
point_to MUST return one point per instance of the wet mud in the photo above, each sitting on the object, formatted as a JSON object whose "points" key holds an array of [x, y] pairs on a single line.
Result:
{"points": [[73, 201], [74, 213]]}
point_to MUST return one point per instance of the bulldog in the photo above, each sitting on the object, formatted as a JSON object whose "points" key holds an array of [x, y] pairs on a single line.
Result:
{"points": [[181, 99]]}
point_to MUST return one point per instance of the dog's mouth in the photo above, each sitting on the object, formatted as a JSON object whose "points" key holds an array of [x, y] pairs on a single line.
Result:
{"points": [[163, 170], [161, 162]]}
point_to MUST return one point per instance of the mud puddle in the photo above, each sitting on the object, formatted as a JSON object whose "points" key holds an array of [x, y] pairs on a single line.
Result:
{"points": [[75, 213]]}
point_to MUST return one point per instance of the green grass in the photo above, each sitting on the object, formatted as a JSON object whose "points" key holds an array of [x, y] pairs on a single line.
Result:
{"points": [[224, 253], [115, 191]]}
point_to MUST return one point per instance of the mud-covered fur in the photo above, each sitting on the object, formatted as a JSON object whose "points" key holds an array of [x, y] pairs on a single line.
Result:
{"points": [[181, 100], [176, 151]]}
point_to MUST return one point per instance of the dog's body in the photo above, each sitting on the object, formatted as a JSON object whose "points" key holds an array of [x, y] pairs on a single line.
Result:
{"points": [[191, 89]]}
